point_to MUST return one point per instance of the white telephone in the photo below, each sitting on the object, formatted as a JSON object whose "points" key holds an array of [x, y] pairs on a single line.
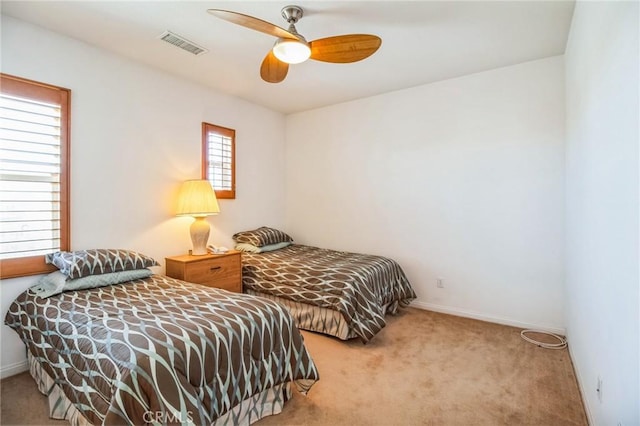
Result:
{"points": [[216, 250]]}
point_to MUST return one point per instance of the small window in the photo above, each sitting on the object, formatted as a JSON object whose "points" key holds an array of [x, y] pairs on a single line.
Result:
{"points": [[218, 159], [34, 178]]}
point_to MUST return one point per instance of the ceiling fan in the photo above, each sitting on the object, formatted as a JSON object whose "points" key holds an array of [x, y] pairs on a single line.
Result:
{"points": [[293, 48]]}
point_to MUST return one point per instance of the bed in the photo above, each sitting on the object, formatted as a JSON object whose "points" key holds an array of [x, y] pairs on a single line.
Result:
{"points": [[338, 293], [161, 350]]}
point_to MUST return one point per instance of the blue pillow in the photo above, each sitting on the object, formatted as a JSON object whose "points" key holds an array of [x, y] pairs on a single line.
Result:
{"points": [[57, 282], [255, 249]]}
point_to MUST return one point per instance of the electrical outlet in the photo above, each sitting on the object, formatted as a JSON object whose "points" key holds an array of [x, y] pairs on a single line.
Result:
{"points": [[439, 283], [599, 389]]}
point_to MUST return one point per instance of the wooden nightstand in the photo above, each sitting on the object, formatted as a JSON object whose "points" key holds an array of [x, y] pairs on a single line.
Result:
{"points": [[213, 270]]}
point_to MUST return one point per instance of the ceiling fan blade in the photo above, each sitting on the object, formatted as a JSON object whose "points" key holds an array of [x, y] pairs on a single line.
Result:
{"points": [[345, 48], [272, 69], [252, 23]]}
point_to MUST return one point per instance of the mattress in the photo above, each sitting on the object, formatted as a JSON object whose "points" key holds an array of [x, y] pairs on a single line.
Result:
{"points": [[361, 288], [161, 348]]}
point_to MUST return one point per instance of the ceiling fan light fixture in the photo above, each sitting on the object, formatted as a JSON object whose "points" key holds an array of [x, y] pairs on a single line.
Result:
{"points": [[292, 48], [291, 51]]}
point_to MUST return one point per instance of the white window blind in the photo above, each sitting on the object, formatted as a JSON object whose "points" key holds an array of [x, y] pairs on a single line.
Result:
{"points": [[220, 161], [30, 177]]}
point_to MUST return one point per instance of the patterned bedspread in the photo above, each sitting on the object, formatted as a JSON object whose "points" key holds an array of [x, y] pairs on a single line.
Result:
{"points": [[359, 286], [159, 345]]}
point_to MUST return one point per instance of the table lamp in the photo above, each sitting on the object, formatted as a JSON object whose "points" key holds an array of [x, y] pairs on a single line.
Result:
{"points": [[198, 199]]}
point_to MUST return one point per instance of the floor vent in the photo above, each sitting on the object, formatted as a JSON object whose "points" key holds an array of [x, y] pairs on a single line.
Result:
{"points": [[182, 43]]}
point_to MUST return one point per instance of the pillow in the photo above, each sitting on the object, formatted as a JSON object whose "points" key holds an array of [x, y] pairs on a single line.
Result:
{"points": [[262, 236], [57, 282], [78, 264], [250, 248]]}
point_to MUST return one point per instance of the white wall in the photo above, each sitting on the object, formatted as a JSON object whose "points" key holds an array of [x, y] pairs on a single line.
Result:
{"points": [[460, 179], [602, 305], [135, 135]]}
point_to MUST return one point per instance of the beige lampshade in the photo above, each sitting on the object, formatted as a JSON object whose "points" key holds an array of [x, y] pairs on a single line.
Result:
{"points": [[197, 198]]}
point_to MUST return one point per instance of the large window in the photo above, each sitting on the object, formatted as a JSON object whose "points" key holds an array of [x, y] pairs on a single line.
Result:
{"points": [[34, 174], [218, 159]]}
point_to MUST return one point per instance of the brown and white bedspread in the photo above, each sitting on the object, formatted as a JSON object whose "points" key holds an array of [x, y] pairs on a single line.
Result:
{"points": [[361, 287], [182, 352]]}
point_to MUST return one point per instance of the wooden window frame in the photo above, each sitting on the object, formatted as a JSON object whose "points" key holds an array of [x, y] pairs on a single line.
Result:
{"points": [[33, 265], [225, 131]]}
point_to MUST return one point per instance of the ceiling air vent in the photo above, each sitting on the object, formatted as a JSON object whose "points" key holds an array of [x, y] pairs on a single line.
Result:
{"points": [[182, 43]]}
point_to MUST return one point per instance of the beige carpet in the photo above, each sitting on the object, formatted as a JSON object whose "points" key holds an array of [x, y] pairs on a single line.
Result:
{"points": [[423, 368]]}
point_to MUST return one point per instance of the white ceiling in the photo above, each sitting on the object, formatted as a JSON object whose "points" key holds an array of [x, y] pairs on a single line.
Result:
{"points": [[422, 41]]}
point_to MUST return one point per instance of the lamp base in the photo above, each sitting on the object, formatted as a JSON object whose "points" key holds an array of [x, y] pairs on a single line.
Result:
{"points": [[199, 235]]}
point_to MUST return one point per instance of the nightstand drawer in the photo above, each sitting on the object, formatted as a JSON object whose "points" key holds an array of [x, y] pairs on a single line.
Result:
{"points": [[215, 270]]}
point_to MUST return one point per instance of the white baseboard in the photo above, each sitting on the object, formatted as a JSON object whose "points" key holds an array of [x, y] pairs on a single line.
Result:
{"points": [[482, 317], [583, 391], [13, 369]]}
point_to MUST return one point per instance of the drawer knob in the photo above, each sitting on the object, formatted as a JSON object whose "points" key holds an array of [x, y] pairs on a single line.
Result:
{"points": [[214, 268]]}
